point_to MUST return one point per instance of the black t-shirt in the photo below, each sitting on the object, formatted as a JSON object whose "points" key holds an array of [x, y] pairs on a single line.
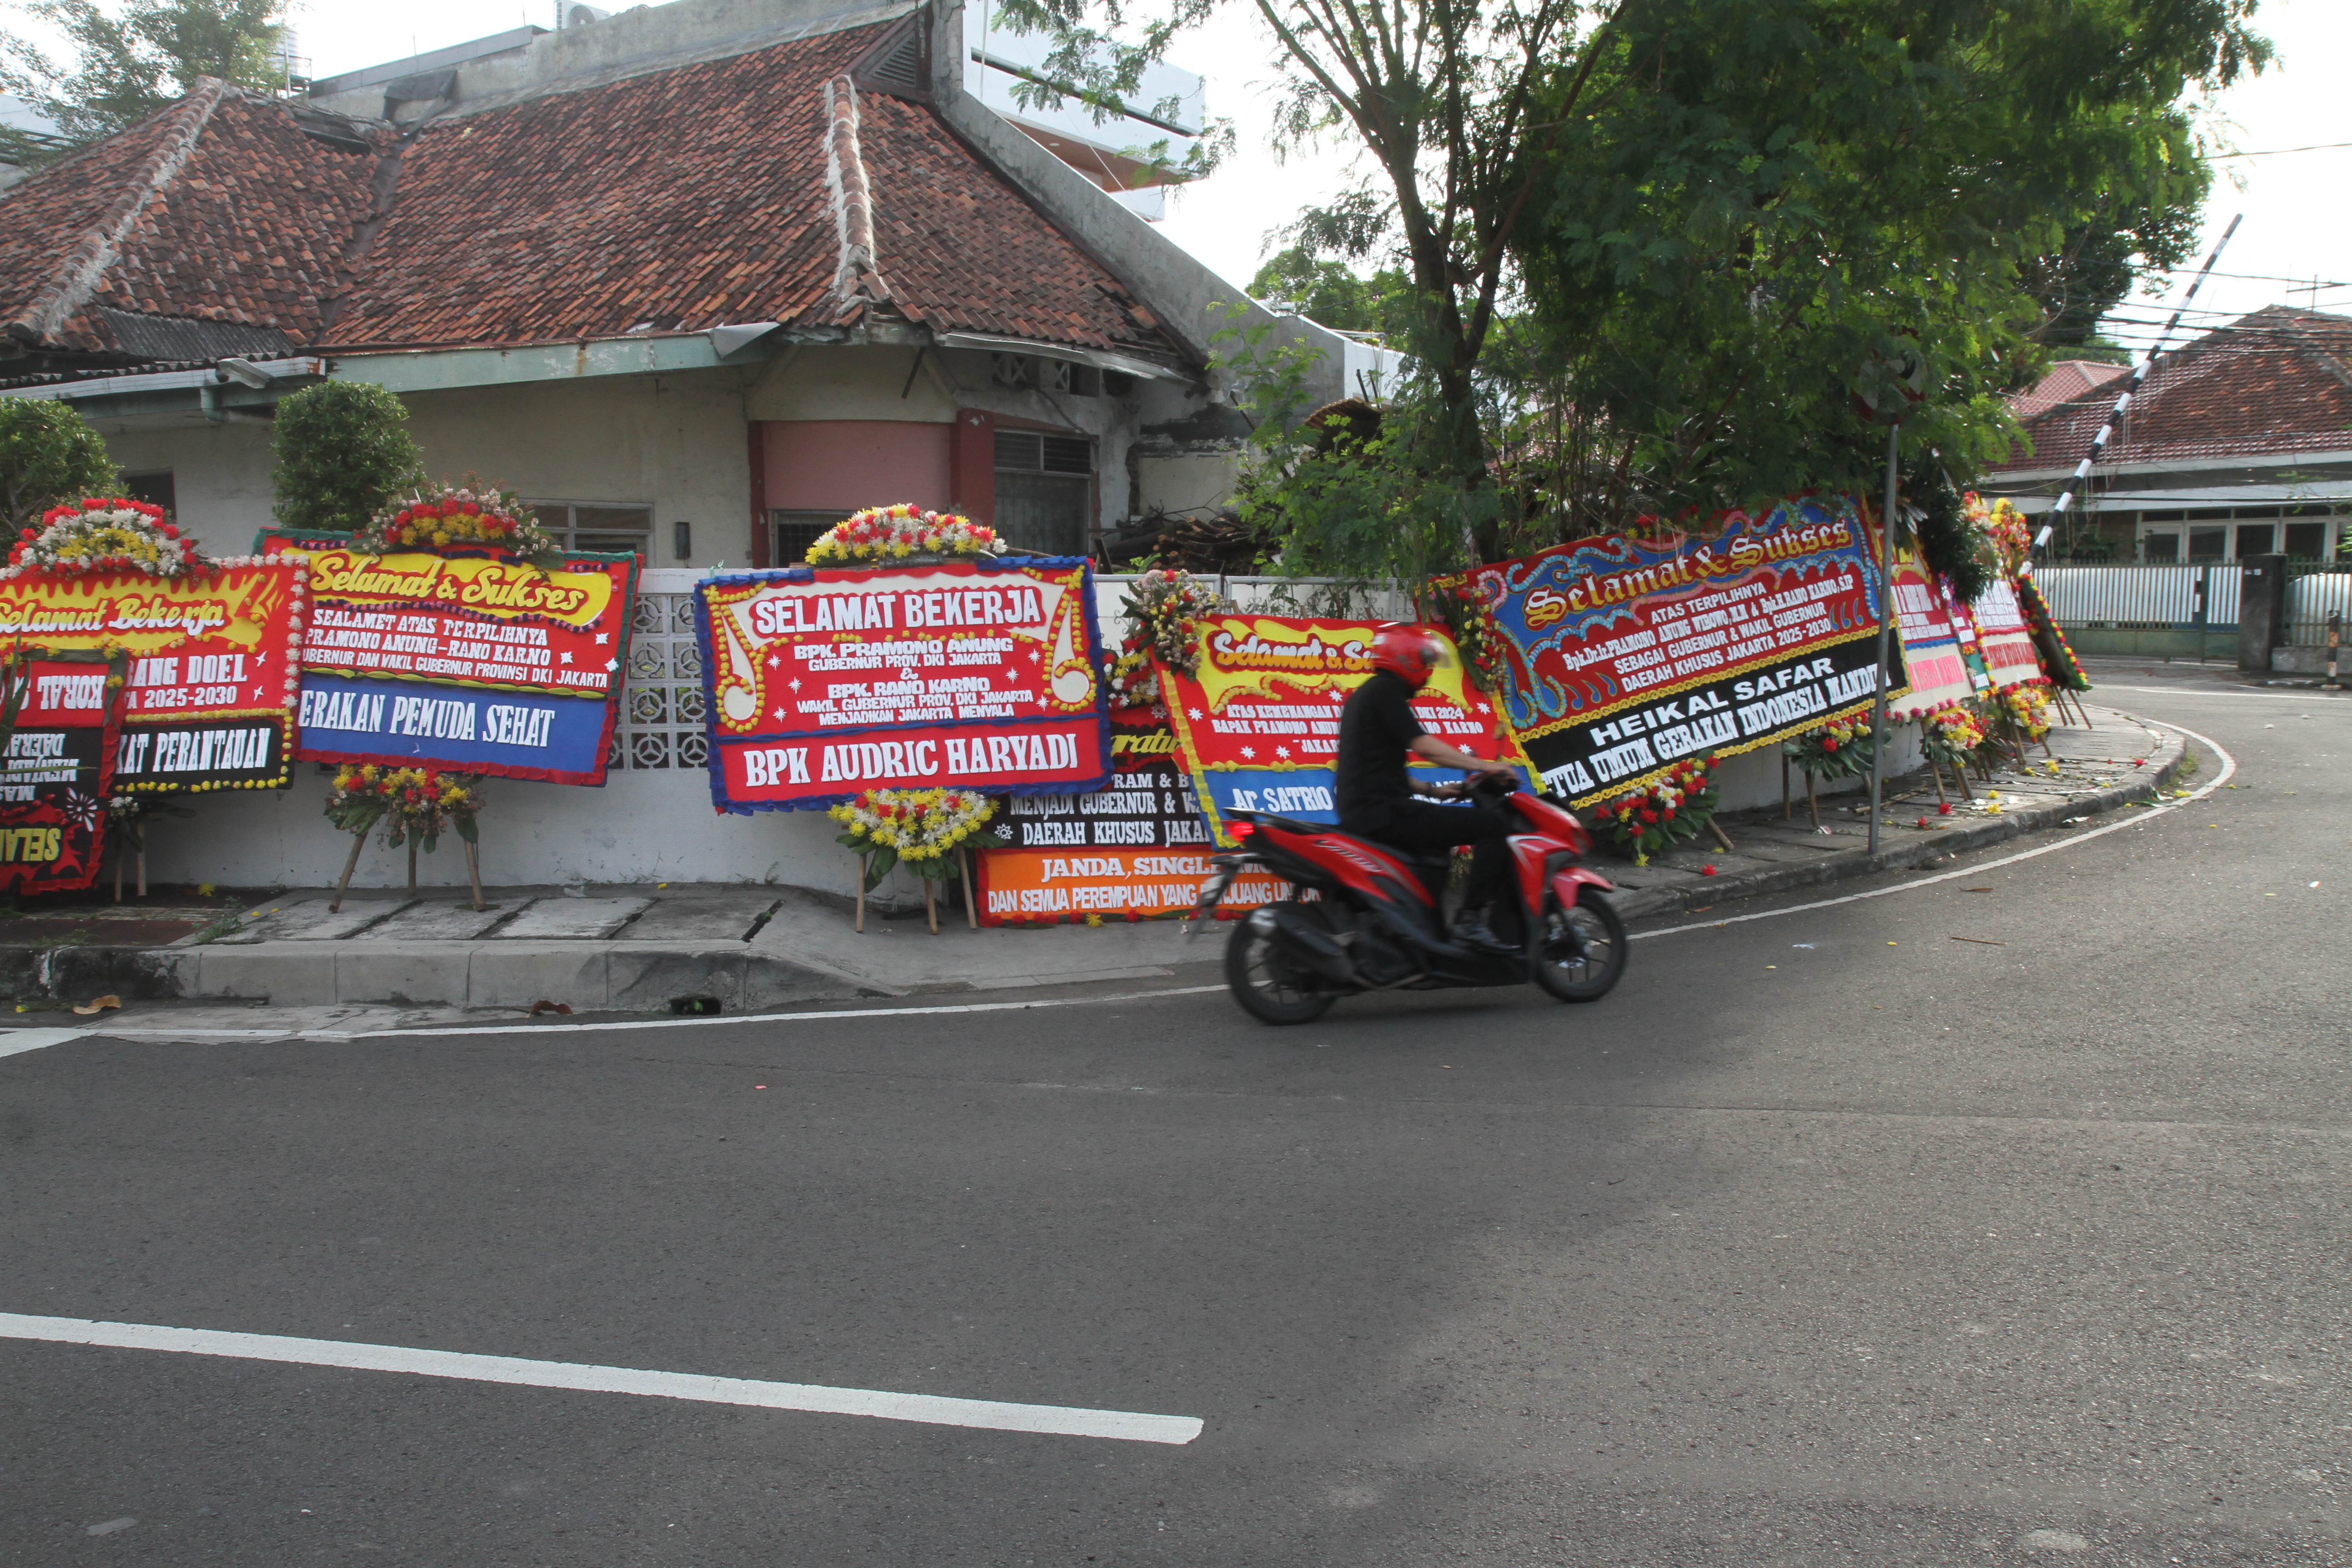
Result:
{"points": [[1375, 729]]}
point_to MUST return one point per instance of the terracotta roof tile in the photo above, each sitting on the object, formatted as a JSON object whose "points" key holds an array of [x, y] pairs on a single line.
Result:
{"points": [[248, 225], [2274, 383], [672, 200]]}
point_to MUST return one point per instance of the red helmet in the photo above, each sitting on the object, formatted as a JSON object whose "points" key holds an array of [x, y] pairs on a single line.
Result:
{"points": [[1410, 652]]}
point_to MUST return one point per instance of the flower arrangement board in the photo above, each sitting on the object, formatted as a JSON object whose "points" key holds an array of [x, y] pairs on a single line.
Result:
{"points": [[824, 682], [209, 684], [1133, 850], [1624, 655], [463, 659], [2004, 640], [1931, 644], [59, 772], [2049, 640], [1257, 719]]}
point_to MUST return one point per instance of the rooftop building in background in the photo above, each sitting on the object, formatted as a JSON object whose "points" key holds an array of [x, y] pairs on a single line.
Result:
{"points": [[1126, 156], [2237, 444]]}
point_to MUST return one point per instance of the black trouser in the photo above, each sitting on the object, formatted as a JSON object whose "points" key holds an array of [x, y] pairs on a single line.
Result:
{"points": [[1418, 826]]}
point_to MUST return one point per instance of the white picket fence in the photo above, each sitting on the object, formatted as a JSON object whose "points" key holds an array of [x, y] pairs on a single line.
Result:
{"points": [[2166, 597], [2140, 597]]}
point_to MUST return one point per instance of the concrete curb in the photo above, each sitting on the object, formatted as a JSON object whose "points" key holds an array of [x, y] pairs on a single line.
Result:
{"points": [[621, 975], [2164, 768]]}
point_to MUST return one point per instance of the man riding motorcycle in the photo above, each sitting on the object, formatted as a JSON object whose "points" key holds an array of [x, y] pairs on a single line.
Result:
{"points": [[1376, 793]]}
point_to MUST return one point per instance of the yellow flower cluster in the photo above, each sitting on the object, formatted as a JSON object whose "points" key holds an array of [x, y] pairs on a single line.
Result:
{"points": [[883, 533], [918, 824]]}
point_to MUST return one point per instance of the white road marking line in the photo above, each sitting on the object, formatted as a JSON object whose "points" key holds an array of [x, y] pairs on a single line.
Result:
{"points": [[2230, 693], [931, 1409], [15, 1040], [771, 1017], [2228, 766]]}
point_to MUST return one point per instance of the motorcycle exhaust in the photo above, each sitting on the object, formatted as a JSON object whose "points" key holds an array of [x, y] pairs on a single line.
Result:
{"points": [[1304, 941]]}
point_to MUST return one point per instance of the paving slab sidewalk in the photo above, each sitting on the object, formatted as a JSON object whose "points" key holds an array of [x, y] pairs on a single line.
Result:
{"points": [[749, 947]]}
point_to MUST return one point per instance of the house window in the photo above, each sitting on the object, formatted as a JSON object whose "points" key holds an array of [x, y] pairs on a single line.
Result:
{"points": [[2224, 534], [596, 525], [2306, 541], [792, 533], [1044, 490], [155, 490], [662, 704]]}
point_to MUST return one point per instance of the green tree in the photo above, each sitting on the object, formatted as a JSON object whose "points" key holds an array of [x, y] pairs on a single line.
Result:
{"points": [[1332, 292], [129, 63], [49, 456], [344, 448], [1650, 245]]}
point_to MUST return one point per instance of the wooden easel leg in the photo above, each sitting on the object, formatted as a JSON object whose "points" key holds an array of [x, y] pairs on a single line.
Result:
{"points": [[118, 857], [474, 872], [1787, 809], [412, 862], [970, 905], [1812, 800], [351, 862], [1721, 836], [861, 894], [932, 904], [1937, 769], [143, 868]]}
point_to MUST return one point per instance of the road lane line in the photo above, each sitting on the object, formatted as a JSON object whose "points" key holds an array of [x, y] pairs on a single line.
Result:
{"points": [[13, 1041], [2138, 817], [2227, 693], [931, 1409], [768, 1017]]}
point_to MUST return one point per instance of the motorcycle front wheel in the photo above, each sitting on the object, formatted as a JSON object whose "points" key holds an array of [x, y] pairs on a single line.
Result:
{"points": [[1267, 986], [1581, 951]]}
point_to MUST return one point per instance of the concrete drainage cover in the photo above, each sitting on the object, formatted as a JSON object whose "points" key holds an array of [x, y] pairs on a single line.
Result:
{"points": [[438, 923], [576, 919], [309, 921]]}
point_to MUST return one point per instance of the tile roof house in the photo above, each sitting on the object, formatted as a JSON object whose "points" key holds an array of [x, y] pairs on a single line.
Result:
{"points": [[742, 276], [696, 280], [2238, 443]]}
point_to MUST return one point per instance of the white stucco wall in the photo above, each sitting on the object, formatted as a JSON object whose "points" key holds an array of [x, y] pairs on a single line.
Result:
{"points": [[220, 474], [639, 828]]}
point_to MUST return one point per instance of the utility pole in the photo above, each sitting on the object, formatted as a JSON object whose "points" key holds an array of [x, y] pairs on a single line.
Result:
{"points": [[1885, 626]]}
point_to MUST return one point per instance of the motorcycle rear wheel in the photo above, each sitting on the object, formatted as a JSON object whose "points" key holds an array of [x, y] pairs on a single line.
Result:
{"points": [[1582, 964], [1269, 989]]}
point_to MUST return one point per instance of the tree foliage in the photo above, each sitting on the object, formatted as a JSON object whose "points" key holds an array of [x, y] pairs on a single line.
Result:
{"points": [[49, 456], [132, 62], [344, 448], [1654, 248], [1332, 293]]}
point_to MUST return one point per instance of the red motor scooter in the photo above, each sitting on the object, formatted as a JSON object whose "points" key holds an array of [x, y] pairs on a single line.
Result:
{"points": [[1362, 916]]}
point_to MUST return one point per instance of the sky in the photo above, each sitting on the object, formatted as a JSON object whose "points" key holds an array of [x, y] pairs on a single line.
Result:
{"points": [[2298, 224]]}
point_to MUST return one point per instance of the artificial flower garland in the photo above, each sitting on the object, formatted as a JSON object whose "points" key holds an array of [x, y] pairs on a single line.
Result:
{"points": [[417, 802], [2065, 669], [880, 534], [1837, 750], [2028, 708], [917, 826], [111, 533], [444, 515], [2006, 538], [1952, 732], [1162, 608], [1664, 813], [1470, 621]]}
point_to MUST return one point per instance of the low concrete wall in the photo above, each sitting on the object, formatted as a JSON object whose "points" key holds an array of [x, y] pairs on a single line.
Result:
{"points": [[2154, 642]]}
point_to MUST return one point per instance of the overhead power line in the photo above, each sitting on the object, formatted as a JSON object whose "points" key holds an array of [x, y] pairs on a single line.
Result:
{"points": [[2283, 152]]}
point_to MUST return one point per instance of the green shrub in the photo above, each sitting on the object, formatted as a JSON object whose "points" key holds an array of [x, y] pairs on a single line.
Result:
{"points": [[342, 449], [49, 456]]}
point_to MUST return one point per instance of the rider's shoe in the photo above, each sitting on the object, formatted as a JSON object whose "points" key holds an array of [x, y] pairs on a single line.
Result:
{"points": [[1471, 930]]}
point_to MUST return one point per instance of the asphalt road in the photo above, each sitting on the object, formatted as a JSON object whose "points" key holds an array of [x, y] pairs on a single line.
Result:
{"points": [[1828, 1238]]}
